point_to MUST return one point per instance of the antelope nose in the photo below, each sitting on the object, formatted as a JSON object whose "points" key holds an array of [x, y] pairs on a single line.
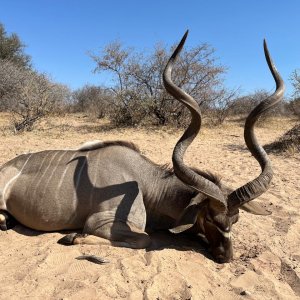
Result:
{"points": [[221, 259], [221, 256]]}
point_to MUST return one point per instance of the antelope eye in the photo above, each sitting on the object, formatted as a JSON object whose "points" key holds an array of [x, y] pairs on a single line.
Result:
{"points": [[224, 228], [219, 225]]}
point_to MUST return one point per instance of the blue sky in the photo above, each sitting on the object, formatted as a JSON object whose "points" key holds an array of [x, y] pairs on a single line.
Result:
{"points": [[59, 34]]}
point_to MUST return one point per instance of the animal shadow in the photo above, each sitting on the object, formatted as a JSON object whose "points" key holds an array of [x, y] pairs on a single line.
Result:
{"points": [[163, 239]]}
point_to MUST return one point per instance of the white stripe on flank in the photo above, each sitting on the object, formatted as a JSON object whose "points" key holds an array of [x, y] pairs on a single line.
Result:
{"points": [[35, 182], [39, 169], [9, 182], [68, 165], [53, 171], [63, 175], [14, 178], [45, 171]]}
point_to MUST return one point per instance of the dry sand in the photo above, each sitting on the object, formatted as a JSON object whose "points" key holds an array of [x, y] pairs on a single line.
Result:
{"points": [[266, 261]]}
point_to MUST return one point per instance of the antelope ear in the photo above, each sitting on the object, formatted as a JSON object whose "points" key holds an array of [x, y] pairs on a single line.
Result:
{"points": [[189, 216], [255, 208], [187, 220]]}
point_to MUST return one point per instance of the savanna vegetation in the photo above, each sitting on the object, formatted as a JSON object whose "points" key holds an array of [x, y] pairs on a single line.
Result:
{"points": [[135, 95]]}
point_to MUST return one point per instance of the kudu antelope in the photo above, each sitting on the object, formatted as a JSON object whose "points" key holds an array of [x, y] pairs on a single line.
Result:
{"points": [[114, 194]]}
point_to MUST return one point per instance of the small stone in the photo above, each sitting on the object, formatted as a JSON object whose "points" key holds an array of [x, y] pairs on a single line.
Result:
{"points": [[245, 293]]}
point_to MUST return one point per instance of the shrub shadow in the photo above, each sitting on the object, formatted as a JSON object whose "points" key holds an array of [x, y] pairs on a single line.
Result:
{"points": [[234, 147]]}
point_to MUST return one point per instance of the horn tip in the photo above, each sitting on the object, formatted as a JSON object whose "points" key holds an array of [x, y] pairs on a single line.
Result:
{"points": [[179, 47], [184, 37], [266, 50], [265, 44]]}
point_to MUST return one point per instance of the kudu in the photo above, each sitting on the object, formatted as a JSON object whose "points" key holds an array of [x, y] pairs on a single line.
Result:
{"points": [[115, 194]]}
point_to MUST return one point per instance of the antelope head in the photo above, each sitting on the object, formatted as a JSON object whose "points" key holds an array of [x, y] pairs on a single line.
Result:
{"points": [[215, 208]]}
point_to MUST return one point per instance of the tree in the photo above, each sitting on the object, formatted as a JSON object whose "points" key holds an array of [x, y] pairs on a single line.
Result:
{"points": [[116, 60], [221, 107], [93, 100], [12, 49], [242, 106], [29, 95], [295, 80], [294, 104], [137, 82], [294, 107]]}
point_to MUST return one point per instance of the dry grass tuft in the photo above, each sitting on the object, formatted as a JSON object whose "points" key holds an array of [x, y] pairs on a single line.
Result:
{"points": [[289, 143]]}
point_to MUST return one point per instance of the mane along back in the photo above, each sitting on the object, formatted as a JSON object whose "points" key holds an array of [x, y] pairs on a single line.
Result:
{"points": [[94, 145]]}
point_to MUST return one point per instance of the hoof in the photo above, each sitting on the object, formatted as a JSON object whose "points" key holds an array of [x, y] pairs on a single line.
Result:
{"points": [[3, 222], [3, 227], [7, 221], [68, 239]]}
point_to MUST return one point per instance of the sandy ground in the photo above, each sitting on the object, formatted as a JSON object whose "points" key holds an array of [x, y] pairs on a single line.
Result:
{"points": [[266, 261]]}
